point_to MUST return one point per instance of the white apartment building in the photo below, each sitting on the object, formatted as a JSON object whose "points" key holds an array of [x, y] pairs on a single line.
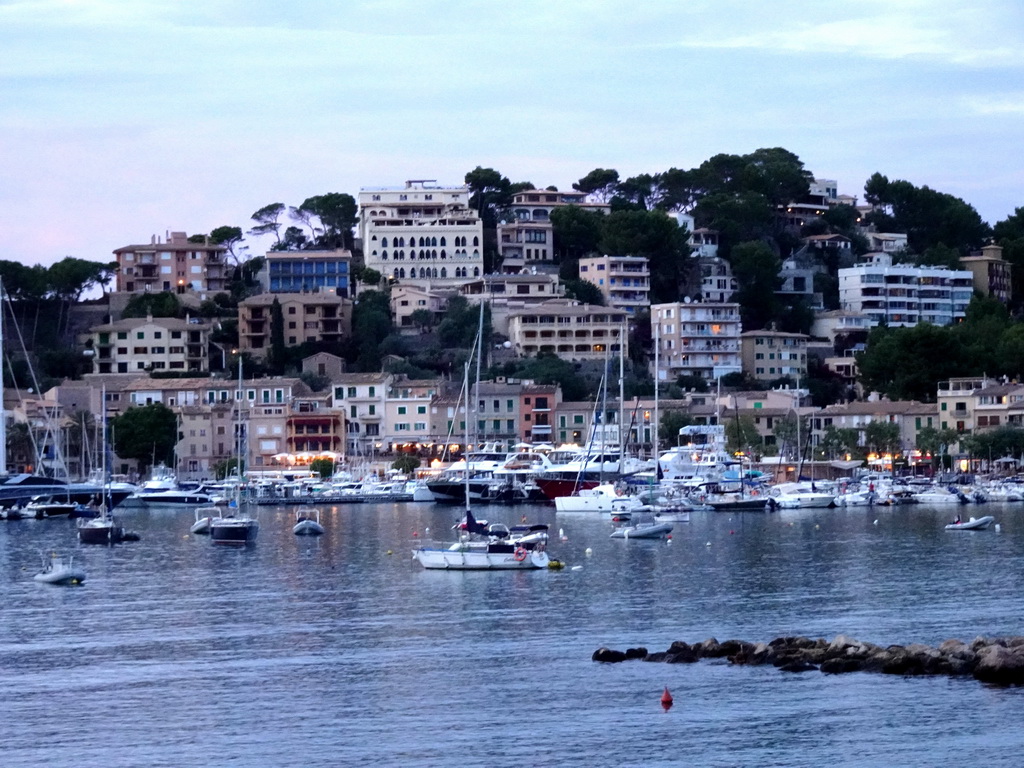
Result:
{"points": [[142, 344], [421, 232], [624, 281], [905, 295], [697, 339], [570, 330]]}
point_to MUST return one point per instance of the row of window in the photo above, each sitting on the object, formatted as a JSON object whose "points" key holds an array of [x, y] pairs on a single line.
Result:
{"points": [[433, 272], [427, 242]]}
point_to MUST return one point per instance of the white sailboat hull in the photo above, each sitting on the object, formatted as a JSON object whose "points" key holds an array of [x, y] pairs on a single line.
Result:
{"points": [[454, 559]]}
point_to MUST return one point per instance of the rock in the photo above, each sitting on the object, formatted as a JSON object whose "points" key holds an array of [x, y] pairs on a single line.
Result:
{"points": [[608, 656], [636, 653], [797, 666], [999, 665], [838, 666], [683, 657]]}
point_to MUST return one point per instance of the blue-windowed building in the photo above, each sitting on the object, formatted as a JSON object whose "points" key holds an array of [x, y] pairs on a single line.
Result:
{"points": [[304, 271]]}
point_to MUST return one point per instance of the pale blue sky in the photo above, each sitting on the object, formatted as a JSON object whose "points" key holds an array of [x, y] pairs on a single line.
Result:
{"points": [[120, 119]]}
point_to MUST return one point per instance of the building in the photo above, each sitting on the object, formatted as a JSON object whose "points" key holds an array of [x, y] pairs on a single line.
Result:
{"points": [[909, 415], [527, 237], [822, 195], [717, 283], [308, 317], [769, 354], [175, 265], [992, 273], [407, 414], [904, 295], [957, 400], [408, 298], [886, 242], [305, 271], [420, 232], [838, 325], [570, 330], [507, 293], [361, 397], [624, 281], [142, 344], [697, 338], [324, 364]]}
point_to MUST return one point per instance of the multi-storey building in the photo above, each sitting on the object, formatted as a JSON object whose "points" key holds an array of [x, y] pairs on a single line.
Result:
{"points": [[822, 195], [421, 231], [361, 397], [991, 272], [407, 299], [570, 330], [407, 413], [717, 283], [537, 403], [769, 354], [905, 295], [624, 281], [527, 237], [316, 316], [175, 265], [141, 344], [313, 429], [304, 271], [509, 293], [697, 339]]}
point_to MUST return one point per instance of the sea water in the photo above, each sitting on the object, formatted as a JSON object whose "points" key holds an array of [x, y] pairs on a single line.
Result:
{"points": [[341, 650]]}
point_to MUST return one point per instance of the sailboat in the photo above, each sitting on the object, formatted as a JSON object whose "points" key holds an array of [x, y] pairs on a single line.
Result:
{"points": [[236, 527], [483, 547], [104, 529]]}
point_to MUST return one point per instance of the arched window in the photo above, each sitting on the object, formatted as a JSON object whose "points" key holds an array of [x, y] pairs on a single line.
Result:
{"points": [[476, 271], [373, 238], [443, 254], [384, 255], [402, 273], [443, 243], [444, 272], [433, 254], [433, 242], [401, 242], [433, 272], [476, 241], [383, 242]]}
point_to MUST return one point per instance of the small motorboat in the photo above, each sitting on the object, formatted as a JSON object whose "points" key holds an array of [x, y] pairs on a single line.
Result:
{"points": [[642, 527], [971, 524], [59, 571], [204, 518], [307, 523]]}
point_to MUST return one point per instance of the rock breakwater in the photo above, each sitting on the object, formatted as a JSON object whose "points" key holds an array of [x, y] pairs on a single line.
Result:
{"points": [[996, 660]]}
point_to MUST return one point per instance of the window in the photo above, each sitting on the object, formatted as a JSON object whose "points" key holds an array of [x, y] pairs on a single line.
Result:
{"points": [[420, 426], [373, 410], [371, 391], [351, 392], [352, 412], [421, 409]]}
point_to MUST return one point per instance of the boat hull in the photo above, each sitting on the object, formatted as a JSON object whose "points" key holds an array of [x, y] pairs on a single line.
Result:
{"points": [[234, 531], [470, 560], [974, 524], [101, 531]]}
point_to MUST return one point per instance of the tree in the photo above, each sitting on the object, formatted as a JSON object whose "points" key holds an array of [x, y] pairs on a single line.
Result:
{"points": [[935, 442], [905, 363], [658, 238], [371, 324], [576, 231], [422, 319], [741, 435], [277, 354], [489, 193], [268, 221], [337, 214], [839, 441], [406, 464], [882, 436], [163, 304], [146, 433], [229, 237], [756, 269], [671, 422], [599, 185], [323, 467], [584, 291]]}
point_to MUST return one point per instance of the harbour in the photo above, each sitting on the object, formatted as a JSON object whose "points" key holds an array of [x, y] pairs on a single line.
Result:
{"points": [[340, 649]]}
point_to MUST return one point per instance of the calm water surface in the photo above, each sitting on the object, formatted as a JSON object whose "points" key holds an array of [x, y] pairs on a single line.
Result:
{"points": [[332, 651]]}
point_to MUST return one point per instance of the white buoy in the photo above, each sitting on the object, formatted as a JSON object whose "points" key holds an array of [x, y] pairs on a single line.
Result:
{"points": [[998, 529], [588, 552], [427, 530], [708, 544], [875, 523], [577, 567]]}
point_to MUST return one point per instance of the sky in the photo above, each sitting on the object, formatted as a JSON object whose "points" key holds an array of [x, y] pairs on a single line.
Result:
{"points": [[124, 119]]}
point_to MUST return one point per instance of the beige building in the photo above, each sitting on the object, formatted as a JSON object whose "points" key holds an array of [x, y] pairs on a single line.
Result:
{"points": [[624, 281], [569, 330], [361, 398], [771, 355], [407, 298], [992, 273], [313, 316], [527, 236], [697, 339], [407, 413], [507, 294], [162, 344], [421, 232], [172, 265]]}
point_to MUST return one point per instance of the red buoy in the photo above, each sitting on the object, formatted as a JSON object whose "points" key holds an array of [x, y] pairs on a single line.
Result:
{"points": [[666, 700]]}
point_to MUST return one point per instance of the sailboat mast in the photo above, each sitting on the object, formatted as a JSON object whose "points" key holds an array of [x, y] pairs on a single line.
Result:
{"points": [[657, 381], [622, 401], [3, 412], [465, 453]]}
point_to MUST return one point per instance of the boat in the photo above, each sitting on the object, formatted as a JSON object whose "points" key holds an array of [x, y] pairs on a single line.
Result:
{"points": [[236, 528], [44, 507], [307, 523], [642, 526], [971, 524], [58, 570], [103, 530], [800, 496], [204, 517], [483, 547]]}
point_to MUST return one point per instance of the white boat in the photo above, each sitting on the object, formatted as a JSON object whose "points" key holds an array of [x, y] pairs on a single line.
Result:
{"points": [[800, 496], [483, 547], [57, 570], [938, 496], [204, 517], [601, 498], [307, 523], [972, 524], [643, 526]]}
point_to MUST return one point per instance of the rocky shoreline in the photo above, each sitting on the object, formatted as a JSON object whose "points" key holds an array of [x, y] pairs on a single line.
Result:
{"points": [[996, 660]]}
